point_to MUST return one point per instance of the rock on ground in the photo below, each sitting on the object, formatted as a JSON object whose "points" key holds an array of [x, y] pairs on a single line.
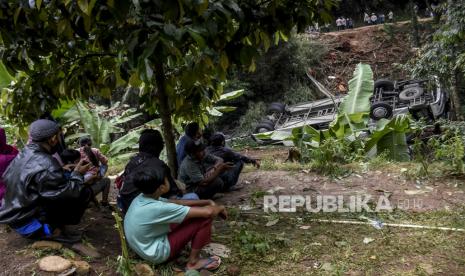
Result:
{"points": [[82, 267], [47, 245], [54, 264]]}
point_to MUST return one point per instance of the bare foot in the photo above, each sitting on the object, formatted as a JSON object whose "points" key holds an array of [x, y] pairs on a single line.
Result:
{"points": [[211, 263]]}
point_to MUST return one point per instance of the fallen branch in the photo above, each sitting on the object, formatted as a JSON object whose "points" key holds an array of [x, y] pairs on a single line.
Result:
{"points": [[391, 225]]}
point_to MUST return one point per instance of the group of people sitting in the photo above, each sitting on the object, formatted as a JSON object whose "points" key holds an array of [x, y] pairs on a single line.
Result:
{"points": [[45, 192]]}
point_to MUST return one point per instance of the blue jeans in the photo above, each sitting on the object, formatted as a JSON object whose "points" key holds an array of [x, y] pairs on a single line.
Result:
{"points": [[189, 196]]}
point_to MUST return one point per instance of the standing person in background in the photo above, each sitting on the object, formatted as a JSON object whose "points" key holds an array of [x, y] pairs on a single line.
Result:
{"points": [[391, 16], [343, 23], [338, 23], [7, 154], [95, 176], [374, 19], [192, 132], [366, 19], [381, 18]]}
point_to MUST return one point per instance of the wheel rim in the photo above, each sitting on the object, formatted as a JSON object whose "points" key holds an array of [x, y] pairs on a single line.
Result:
{"points": [[380, 112]]}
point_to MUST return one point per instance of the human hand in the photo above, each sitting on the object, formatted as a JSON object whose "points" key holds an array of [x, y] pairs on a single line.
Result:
{"points": [[257, 164], [223, 214], [227, 166], [69, 167], [82, 167]]}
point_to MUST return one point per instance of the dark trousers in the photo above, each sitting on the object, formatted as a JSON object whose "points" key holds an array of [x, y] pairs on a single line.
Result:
{"points": [[230, 177], [208, 191], [66, 211]]}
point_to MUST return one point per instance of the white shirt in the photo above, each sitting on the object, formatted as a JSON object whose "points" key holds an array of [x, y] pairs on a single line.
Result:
{"points": [[343, 22], [338, 22], [374, 18]]}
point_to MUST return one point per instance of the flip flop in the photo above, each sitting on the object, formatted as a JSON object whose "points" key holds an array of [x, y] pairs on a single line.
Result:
{"points": [[210, 260]]}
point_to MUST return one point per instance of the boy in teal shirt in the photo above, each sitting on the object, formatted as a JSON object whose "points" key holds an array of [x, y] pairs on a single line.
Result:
{"points": [[158, 229]]}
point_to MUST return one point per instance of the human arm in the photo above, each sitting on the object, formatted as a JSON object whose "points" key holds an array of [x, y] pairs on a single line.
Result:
{"points": [[193, 203], [51, 184], [207, 212]]}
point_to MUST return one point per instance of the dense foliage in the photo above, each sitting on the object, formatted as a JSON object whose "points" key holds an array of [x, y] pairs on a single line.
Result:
{"points": [[445, 55], [177, 51]]}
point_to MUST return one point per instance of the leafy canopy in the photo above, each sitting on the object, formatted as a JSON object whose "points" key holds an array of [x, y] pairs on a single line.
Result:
{"points": [[76, 49]]}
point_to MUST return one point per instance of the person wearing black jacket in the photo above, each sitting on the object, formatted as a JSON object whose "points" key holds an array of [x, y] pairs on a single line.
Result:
{"points": [[39, 199], [150, 146]]}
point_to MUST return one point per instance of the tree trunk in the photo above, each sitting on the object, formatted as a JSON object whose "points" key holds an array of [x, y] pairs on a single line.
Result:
{"points": [[414, 22], [165, 115], [455, 96]]}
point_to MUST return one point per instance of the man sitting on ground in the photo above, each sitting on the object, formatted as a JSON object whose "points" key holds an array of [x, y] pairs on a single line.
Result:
{"points": [[150, 146], [202, 173], [39, 200], [192, 132], [158, 229], [218, 148]]}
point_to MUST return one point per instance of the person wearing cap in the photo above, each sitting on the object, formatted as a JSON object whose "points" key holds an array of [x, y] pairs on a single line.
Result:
{"points": [[202, 172], [150, 146], [218, 148], [40, 201]]}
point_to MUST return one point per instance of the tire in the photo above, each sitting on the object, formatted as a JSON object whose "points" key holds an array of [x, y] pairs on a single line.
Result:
{"points": [[276, 108], [380, 110], [410, 93], [386, 85], [267, 121], [264, 127]]}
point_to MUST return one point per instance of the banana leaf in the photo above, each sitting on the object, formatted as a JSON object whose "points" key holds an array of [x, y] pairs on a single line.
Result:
{"points": [[5, 77], [360, 90], [125, 142], [390, 137], [231, 95], [349, 124]]}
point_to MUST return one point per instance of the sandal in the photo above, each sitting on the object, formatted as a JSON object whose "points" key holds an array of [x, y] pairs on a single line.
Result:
{"points": [[210, 261]]}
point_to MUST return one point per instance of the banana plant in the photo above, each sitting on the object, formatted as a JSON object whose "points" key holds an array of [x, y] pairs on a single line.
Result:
{"points": [[218, 110], [88, 121]]}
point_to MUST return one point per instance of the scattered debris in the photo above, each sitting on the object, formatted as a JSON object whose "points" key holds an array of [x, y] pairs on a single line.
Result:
{"points": [[415, 192], [271, 223], [246, 207], [367, 240], [85, 250], [47, 245], [217, 249], [54, 264], [305, 227], [392, 225], [274, 190]]}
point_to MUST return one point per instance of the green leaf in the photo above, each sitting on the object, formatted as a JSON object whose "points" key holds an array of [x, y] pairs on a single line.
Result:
{"points": [[84, 6], [231, 95], [38, 4], [360, 90], [5, 77], [224, 109], [125, 142], [197, 37], [214, 112], [394, 130]]}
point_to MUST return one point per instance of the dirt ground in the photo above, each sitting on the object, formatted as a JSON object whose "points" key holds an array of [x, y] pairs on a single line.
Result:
{"points": [[425, 198], [384, 47]]}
